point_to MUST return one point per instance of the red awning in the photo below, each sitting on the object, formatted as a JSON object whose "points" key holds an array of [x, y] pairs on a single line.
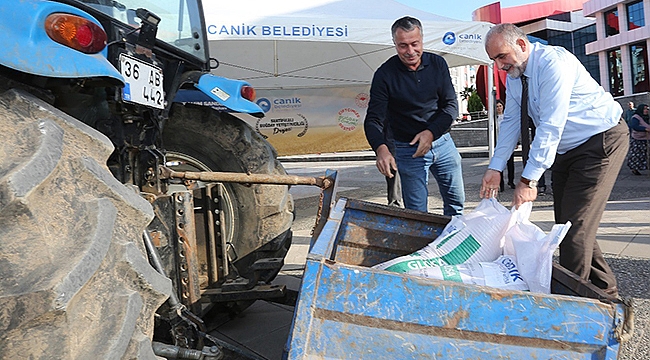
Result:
{"points": [[482, 83]]}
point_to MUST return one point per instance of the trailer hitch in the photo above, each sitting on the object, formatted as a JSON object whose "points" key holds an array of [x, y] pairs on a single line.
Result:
{"points": [[327, 183], [322, 182], [176, 352]]}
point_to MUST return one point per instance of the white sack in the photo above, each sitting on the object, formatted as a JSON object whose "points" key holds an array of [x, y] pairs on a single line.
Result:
{"points": [[501, 273], [533, 249], [474, 237]]}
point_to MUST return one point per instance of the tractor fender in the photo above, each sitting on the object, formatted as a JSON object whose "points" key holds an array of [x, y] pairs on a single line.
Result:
{"points": [[26, 47], [224, 91]]}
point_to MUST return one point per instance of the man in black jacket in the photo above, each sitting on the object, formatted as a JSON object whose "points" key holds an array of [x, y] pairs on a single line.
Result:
{"points": [[412, 92]]}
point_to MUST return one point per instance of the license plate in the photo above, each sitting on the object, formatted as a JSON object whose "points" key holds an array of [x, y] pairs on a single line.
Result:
{"points": [[144, 82]]}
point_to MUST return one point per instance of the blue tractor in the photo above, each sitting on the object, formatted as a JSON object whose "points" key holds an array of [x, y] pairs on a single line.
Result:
{"points": [[102, 254]]}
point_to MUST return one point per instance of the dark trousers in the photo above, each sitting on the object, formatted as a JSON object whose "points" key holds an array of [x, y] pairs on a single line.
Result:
{"points": [[582, 181], [511, 171], [394, 190]]}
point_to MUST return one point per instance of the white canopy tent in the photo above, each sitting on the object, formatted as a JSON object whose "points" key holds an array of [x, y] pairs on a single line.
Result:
{"points": [[293, 49], [289, 43]]}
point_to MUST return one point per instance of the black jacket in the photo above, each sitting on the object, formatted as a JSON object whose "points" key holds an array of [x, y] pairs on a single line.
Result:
{"points": [[410, 101]]}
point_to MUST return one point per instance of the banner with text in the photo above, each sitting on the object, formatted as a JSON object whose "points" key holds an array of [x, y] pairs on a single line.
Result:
{"points": [[309, 121]]}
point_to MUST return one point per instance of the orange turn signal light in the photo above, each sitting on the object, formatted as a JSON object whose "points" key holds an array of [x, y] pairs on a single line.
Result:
{"points": [[76, 32]]}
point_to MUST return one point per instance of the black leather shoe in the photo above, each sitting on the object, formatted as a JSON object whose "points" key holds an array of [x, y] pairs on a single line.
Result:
{"points": [[541, 191], [512, 185]]}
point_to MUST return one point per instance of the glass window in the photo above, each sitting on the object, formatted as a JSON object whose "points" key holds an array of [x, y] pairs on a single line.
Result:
{"points": [[639, 57], [615, 72], [611, 22], [575, 43], [563, 16], [561, 38], [180, 23], [581, 37], [635, 18]]}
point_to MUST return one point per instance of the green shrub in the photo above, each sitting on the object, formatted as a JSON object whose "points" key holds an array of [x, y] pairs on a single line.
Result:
{"points": [[474, 103]]}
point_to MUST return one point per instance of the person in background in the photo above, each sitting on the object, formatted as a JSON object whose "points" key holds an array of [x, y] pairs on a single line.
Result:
{"points": [[637, 156], [500, 106], [413, 94], [629, 112], [579, 130]]}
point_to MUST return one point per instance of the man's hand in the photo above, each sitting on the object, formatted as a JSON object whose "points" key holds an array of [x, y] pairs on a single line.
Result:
{"points": [[424, 140], [490, 184], [523, 194], [385, 161]]}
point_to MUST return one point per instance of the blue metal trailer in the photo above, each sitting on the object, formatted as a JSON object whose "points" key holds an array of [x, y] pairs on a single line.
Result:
{"points": [[348, 310]]}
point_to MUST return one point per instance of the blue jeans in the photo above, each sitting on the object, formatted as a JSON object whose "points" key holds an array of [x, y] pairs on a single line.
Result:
{"points": [[444, 162]]}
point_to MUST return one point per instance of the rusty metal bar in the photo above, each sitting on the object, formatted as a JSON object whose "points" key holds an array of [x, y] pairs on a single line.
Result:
{"points": [[211, 243], [221, 232], [320, 181], [325, 205], [173, 301], [186, 251]]}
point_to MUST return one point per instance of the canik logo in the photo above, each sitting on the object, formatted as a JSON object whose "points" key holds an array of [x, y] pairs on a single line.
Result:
{"points": [[286, 104], [449, 38], [265, 104], [470, 37]]}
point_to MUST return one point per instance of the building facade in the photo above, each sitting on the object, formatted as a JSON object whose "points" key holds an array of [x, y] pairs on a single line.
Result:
{"points": [[570, 30], [556, 22], [622, 44], [463, 77]]}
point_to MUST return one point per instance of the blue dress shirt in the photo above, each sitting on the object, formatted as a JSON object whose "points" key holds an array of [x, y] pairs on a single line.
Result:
{"points": [[565, 103]]}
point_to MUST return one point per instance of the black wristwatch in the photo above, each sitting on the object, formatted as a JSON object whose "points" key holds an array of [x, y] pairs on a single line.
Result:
{"points": [[530, 183]]}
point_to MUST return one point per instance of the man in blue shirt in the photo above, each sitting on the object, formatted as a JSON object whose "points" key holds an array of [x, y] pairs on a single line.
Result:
{"points": [[412, 92], [579, 131]]}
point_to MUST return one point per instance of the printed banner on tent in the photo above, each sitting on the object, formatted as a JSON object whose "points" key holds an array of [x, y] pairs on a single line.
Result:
{"points": [[307, 121]]}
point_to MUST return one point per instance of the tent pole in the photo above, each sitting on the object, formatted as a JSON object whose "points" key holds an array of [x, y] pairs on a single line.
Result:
{"points": [[275, 58], [491, 112]]}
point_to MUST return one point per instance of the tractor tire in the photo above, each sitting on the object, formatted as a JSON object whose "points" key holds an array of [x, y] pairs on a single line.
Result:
{"points": [[75, 282], [260, 217]]}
